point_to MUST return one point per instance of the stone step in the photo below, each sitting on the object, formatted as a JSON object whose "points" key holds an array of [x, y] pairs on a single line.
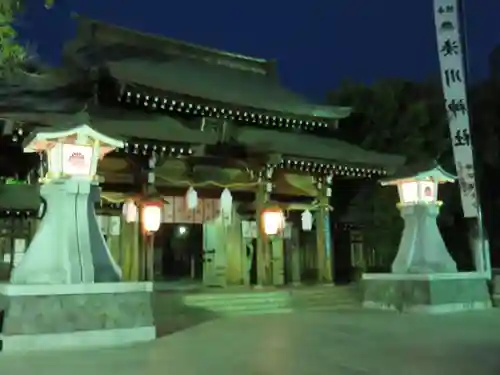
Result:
{"points": [[226, 303], [247, 306], [268, 299], [250, 296], [250, 311]]}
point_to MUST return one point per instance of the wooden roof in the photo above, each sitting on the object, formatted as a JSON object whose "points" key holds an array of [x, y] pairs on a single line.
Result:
{"points": [[118, 123], [187, 69]]}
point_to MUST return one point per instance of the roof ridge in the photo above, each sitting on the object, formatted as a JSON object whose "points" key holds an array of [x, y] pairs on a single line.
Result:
{"points": [[193, 50]]}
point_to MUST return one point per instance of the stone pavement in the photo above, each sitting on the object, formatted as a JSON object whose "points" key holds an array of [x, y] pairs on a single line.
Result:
{"points": [[340, 343]]}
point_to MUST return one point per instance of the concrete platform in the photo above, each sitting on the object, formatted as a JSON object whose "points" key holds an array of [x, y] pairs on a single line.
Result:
{"points": [[41, 317], [347, 343], [426, 293]]}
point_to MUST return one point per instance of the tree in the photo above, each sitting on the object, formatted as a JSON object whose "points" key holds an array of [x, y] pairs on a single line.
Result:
{"points": [[392, 116], [484, 105], [13, 55]]}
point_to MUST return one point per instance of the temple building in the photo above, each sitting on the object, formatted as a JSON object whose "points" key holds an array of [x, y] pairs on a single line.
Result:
{"points": [[241, 166]]}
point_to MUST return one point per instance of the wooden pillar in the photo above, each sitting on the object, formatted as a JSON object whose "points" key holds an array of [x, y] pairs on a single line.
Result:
{"points": [[150, 257], [261, 198], [323, 236], [147, 256], [277, 261], [129, 243], [146, 252], [295, 257], [112, 232], [142, 246]]}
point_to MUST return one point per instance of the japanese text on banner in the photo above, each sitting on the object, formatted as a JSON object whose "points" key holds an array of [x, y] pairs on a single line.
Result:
{"points": [[451, 60]]}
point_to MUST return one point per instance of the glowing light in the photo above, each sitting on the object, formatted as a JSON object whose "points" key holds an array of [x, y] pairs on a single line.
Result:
{"points": [[273, 221], [74, 152], [412, 192], [151, 216]]}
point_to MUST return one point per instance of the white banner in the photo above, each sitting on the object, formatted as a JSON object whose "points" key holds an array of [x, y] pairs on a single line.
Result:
{"points": [[451, 59]]}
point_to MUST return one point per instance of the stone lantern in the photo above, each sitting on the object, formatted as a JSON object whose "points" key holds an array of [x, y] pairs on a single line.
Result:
{"points": [[424, 276], [422, 249], [68, 247]]}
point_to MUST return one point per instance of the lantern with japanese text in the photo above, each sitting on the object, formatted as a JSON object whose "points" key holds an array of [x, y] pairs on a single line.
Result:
{"points": [[68, 247], [420, 187], [72, 153], [421, 249]]}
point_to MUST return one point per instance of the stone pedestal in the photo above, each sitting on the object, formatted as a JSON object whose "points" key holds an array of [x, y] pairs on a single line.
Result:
{"points": [[422, 249], [431, 293], [46, 317], [68, 246]]}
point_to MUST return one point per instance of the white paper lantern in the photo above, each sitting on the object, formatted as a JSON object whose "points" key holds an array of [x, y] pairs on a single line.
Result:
{"points": [[226, 206], [130, 212], [307, 220], [226, 200], [151, 217], [191, 198]]}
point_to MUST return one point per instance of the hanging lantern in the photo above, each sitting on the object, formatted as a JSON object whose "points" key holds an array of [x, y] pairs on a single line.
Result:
{"points": [[191, 198], [151, 215], [130, 211], [307, 220], [226, 206], [273, 221], [226, 201]]}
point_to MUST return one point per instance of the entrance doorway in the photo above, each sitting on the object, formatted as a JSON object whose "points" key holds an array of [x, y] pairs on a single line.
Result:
{"points": [[179, 249]]}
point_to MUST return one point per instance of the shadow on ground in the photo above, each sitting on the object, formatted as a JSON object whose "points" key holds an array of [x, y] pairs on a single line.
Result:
{"points": [[171, 314]]}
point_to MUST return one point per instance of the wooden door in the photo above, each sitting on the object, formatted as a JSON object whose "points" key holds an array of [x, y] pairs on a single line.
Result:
{"points": [[214, 253]]}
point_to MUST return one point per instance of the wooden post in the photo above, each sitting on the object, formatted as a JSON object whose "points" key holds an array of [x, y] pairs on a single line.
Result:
{"points": [[295, 256], [323, 238], [146, 254], [261, 198], [150, 255], [142, 248], [129, 243], [277, 261]]}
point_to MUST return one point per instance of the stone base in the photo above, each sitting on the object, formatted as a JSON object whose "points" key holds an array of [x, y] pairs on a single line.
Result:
{"points": [[46, 317], [432, 293]]}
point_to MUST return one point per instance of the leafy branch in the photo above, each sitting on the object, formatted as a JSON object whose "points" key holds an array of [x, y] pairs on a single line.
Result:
{"points": [[13, 55]]}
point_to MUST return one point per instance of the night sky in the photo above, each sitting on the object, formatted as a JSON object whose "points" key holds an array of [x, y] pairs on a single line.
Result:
{"points": [[317, 43]]}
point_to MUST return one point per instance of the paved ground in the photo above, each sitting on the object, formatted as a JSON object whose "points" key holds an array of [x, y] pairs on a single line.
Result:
{"points": [[297, 344]]}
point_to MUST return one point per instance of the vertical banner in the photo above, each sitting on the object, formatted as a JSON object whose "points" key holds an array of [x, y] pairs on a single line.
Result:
{"points": [[451, 59]]}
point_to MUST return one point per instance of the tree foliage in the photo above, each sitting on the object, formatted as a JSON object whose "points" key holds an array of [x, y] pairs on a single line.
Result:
{"points": [[391, 116], [484, 104], [408, 118], [13, 55]]}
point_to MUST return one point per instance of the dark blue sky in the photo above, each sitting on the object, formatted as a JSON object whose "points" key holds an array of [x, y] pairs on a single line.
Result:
{"points": [[317, 43]]}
